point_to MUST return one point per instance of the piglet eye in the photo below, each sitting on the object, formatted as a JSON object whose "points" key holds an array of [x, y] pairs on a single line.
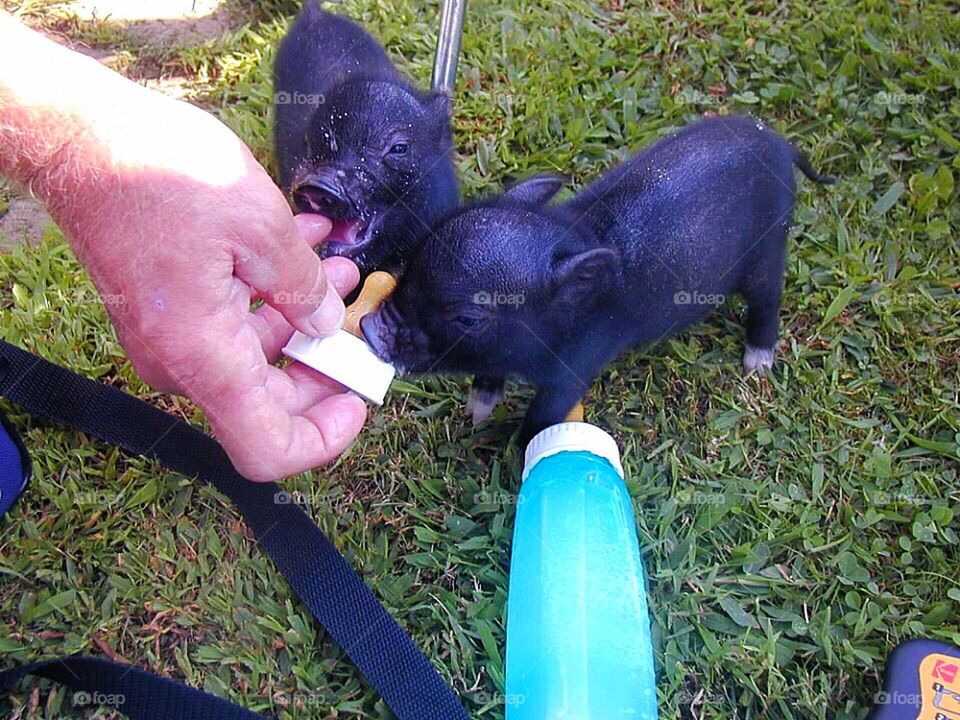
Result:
{"points": [[469, 321], [399, 149]]}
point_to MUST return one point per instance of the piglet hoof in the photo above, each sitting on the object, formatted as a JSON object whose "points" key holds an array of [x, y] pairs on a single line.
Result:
{"points": [[481, 403], [757, 360]]}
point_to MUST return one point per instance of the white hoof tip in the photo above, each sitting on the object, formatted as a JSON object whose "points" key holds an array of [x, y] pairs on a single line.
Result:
{"points": [[480, 404], [757, 360]]}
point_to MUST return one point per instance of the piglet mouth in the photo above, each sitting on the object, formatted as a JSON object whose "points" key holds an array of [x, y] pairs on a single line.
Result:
{"points": [[351, 230], [394, 342], [348, 233]]}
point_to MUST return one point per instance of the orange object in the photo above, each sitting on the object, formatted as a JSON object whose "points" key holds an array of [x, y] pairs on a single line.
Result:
{"points": [[576, 413], [375, 290], [939, 687]]}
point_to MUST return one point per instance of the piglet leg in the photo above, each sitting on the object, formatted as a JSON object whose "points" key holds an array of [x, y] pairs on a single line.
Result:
{"points": [[550, 406], [485, 393], [762, 325]]}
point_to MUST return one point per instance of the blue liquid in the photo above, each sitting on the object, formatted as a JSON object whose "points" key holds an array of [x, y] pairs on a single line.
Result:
{"points": [[578, 630]]}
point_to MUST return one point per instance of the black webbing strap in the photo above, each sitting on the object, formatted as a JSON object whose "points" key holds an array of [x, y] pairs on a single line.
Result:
{"points": [[137, 694], [324, 581]]}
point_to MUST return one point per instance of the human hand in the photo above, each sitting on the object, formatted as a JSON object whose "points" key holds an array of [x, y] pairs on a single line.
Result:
{"points": [[179, 243]]}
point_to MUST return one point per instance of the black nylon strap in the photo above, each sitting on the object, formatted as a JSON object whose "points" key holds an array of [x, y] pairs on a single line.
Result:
{"points": [[321, 577], [137, 694]]}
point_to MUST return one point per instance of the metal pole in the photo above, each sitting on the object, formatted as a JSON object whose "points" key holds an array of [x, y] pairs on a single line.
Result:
{"points": [[448, 45]]}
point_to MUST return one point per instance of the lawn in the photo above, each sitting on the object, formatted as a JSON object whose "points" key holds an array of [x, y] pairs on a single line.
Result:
{"points": [[794, 528]]}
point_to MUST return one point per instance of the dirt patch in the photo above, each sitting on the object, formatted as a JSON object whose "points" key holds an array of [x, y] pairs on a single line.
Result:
{"points": [[25, 221], [102, 27], [163, 23], [164, 33]]}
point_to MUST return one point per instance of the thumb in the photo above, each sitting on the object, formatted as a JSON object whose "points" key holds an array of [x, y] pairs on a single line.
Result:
{"points": [[314, 228], [287, 273]]}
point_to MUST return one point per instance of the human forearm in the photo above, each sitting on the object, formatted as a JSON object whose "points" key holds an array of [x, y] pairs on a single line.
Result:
{"points": [[69, 125], [51, 99]]}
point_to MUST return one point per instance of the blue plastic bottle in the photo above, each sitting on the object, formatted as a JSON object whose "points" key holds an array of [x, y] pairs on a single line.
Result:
{"points": [[578, 630]]}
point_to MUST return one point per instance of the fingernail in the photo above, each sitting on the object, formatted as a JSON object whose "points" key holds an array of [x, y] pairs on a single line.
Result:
{"points": [[314, 227], [329, 317], [312, 220]]}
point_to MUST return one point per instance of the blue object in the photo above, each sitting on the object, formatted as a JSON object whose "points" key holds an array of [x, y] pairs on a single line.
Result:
{"points": [[14, 466], [578, 630], [917, 687]]}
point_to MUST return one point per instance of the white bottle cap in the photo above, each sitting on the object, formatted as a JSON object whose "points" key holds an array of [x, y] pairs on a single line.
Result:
{"points": [[571, 437], [345, 358]]}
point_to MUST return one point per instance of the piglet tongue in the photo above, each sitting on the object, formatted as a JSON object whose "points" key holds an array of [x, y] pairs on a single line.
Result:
{"points": [[345, 232]]}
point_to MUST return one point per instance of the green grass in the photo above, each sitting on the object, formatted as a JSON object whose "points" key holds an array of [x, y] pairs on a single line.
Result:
{"points": [[794, 528]]}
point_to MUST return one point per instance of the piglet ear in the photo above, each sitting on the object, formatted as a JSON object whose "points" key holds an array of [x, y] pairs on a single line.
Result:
{"points": [[437, 106], [439, 103], [584, 275], [536, 190]]}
